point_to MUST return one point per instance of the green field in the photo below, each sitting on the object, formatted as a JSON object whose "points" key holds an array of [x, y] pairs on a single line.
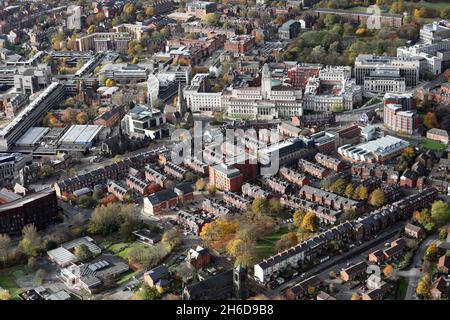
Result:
{"points": [[364, 9], [122, 249], [127, 277], [8, 279], [402, 287], [432, 145], [266, 245]]}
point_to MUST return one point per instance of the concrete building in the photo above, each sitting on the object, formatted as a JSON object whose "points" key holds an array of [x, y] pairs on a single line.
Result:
{"points": [[266, 102], [378, 150], [79, 138], [103, 41], [289, 30], [384, 80], [198, 97], [435, 32], [200, 8], [125, 73], [31, 114], [142, 121], [408, 68]]}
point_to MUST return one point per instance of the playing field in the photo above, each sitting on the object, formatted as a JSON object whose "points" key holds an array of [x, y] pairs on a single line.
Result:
{"points": [[266, 245]]}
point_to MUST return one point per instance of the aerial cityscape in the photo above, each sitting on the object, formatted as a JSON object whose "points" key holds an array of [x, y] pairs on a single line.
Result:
{"points": [[224, 150]]}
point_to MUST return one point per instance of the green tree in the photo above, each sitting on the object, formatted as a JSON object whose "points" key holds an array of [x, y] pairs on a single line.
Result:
{"points": [[147, 293], [440, 213], [212, 189], [424, 286], [339, 186], [443, 232], [31, 242], [83, 253], [309, 222], [5, 295], [298, 217], [47, 171], [349, 215], [211, 19], [171, 238], [377, 198], [275, 205], [259, 205], [185, 272], [361, 193], [432, 252], [286, 241], [349, 191], [86, 202], [200, 184], [430, 227]]}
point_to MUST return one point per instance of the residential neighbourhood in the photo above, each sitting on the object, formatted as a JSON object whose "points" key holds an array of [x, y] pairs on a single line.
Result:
{"points": [[224, 150]]}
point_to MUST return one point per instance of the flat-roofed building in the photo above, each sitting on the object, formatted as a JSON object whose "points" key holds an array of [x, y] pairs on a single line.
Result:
{"points": [[79, 138], [31, 114], [408, 68], [378, 150]]}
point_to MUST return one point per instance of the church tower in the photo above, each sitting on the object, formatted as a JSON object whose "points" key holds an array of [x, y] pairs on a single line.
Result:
{"points": [[181, 104], [266, 81], [240, 289]]}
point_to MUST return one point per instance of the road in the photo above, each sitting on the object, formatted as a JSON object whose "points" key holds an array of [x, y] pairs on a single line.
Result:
{"points": [[349, 256]]}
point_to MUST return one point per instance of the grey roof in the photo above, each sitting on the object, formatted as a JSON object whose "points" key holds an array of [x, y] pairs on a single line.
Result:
{"points": [[161, 196], [157, 273]]}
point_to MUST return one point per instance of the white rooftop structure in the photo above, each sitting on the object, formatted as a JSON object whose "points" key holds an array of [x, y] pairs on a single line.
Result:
{"points": [[376, 150], [59, 296], [32, 136], [81, 134], [64, 256]]}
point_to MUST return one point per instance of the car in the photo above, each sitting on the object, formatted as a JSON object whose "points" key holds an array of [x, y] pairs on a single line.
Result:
{"points": [[387, 244], [303, 275], [280, 280], [295, 274]]}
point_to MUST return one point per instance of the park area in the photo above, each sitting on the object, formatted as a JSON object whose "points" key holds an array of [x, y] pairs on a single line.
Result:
{"points": [[9, 278], [432, 145], [266, 245]]}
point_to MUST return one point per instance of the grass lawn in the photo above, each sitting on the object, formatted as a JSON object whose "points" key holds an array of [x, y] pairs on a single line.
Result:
{"points": [[402, 287], [8, 279], [432, 145], [122, 250], [127, 277], [266, 245], [364, 9]]}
